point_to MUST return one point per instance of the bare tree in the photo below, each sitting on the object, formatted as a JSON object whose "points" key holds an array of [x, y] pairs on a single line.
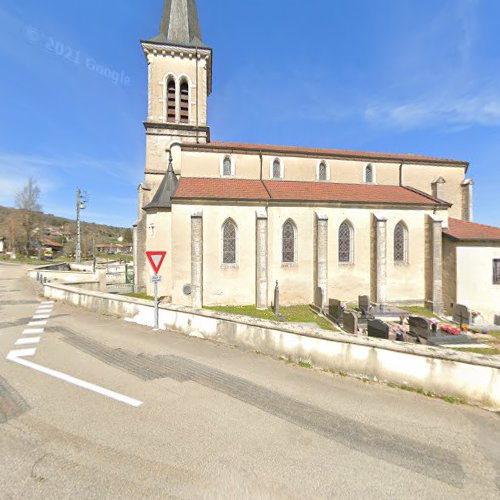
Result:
{"points": [[27, 201]]}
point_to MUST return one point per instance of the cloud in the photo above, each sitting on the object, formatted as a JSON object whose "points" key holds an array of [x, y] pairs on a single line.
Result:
{"points": [[58, 177], [469, 110]]}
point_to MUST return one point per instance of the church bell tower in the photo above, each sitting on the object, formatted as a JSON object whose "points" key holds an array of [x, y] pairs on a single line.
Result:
{"points": [[179, 82]]}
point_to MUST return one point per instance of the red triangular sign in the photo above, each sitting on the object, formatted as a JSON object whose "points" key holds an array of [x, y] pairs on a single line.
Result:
{"points": [[156, 260]]}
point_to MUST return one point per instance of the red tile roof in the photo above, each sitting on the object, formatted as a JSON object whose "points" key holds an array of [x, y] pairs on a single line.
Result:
{"points": [[239, 189], [363, 193], [463, 230], [228, 189], [301, 151]]}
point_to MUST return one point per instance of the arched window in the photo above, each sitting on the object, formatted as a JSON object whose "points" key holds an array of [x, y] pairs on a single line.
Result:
{"points": [[322, 172], [289, 242], [401, 242], [227, 166], [369, 174], [346, 244], [171, 100], [276, 169], [184, 101], [229, 243]]}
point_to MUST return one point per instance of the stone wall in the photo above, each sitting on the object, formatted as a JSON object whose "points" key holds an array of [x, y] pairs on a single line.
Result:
{"points": [[473, 377]]}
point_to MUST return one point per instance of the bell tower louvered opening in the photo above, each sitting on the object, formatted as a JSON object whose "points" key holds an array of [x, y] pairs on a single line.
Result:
{"points": [[184, 99], [171, 101]]}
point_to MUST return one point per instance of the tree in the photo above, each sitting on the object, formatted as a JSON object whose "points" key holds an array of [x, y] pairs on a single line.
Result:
{"points": [[127, 236], [12, 228], [27, 201]]}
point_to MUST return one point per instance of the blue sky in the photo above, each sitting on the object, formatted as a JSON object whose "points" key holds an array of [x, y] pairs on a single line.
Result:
{"points": [[409, 76]]}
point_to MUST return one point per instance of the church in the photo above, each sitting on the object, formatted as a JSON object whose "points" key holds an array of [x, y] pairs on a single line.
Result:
{"points": [[236, 218]]}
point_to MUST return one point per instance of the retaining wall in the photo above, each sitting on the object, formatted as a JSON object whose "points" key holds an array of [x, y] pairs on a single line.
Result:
{"points": [[472, 377]]}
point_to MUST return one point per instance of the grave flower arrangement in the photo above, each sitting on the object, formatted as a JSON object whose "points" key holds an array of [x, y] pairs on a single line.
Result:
{"points": [[452, 330]]}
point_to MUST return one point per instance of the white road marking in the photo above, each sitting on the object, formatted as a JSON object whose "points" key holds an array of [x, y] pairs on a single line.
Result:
{"points": [[47, 303], [21, 353], [17, 357], [41, 316], [43, 310], [37, 323], [31, 331], [28, 340]]}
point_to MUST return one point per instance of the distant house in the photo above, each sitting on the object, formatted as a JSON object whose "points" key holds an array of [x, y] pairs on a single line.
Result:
{"points": [[3, 244], [52, 246], [114, 248]]}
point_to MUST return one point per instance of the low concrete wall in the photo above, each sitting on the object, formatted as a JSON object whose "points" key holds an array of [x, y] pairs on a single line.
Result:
{"points": [[94, 286], [72, 277], [473, 377], [82, 267]]}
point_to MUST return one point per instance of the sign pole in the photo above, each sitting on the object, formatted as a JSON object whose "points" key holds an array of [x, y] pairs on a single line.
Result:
{"points": [[156, 303], [156, 260]]}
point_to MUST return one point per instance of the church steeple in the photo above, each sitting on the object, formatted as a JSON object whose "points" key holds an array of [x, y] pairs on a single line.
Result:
{"points": [[180, 24]]}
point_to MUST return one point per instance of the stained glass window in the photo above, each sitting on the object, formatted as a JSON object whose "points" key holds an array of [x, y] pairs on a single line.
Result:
{"points": [[288, 242], [322, 171], [496, 271], [227, 166], [369, 174], [400, 243], [229, 243], [345, 242], [276, 169]]}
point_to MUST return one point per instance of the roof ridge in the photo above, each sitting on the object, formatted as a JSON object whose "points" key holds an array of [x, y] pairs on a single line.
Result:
{"points": [[332, 151]]}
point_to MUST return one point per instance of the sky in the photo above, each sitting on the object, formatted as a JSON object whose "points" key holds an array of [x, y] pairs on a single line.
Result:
{"points": [[402, 76]]}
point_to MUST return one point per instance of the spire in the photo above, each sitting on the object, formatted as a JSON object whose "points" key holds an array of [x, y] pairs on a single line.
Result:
{"points": [[168, 186], [180, 24]]}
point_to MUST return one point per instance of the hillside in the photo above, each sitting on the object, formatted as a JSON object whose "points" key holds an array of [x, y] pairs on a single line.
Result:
{"points": [[52, 225]]}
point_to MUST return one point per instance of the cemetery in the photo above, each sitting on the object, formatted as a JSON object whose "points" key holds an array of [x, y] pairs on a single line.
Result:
{"points": [[463, 331]]}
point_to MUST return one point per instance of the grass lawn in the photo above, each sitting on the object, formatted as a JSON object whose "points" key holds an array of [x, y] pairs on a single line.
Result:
{"points": [[142, 296], [479, 350], [292, 314], [419, 311]]}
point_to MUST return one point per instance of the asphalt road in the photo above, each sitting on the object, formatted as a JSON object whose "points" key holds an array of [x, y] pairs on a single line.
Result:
{"points": [[211, 421]]}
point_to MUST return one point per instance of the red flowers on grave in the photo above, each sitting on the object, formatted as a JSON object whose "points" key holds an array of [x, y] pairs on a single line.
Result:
{"points": [[450, 329]]}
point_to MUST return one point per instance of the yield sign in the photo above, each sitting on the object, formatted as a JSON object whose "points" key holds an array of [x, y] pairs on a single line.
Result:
{"points": [[156, 260]]}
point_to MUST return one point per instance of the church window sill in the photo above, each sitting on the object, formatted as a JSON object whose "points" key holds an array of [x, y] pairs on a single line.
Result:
{"points": [[229, 266]]}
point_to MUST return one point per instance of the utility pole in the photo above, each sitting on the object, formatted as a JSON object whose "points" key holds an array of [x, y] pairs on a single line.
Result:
{"points": [[81, 204]]}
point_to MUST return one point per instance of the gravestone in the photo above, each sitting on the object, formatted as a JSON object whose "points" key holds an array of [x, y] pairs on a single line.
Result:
{"points": [[336, 309], [421, 327], [350, 322], [378, 329], [364, 304], [318, 298], [276, 306], [497, 320], [461, 315]]}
